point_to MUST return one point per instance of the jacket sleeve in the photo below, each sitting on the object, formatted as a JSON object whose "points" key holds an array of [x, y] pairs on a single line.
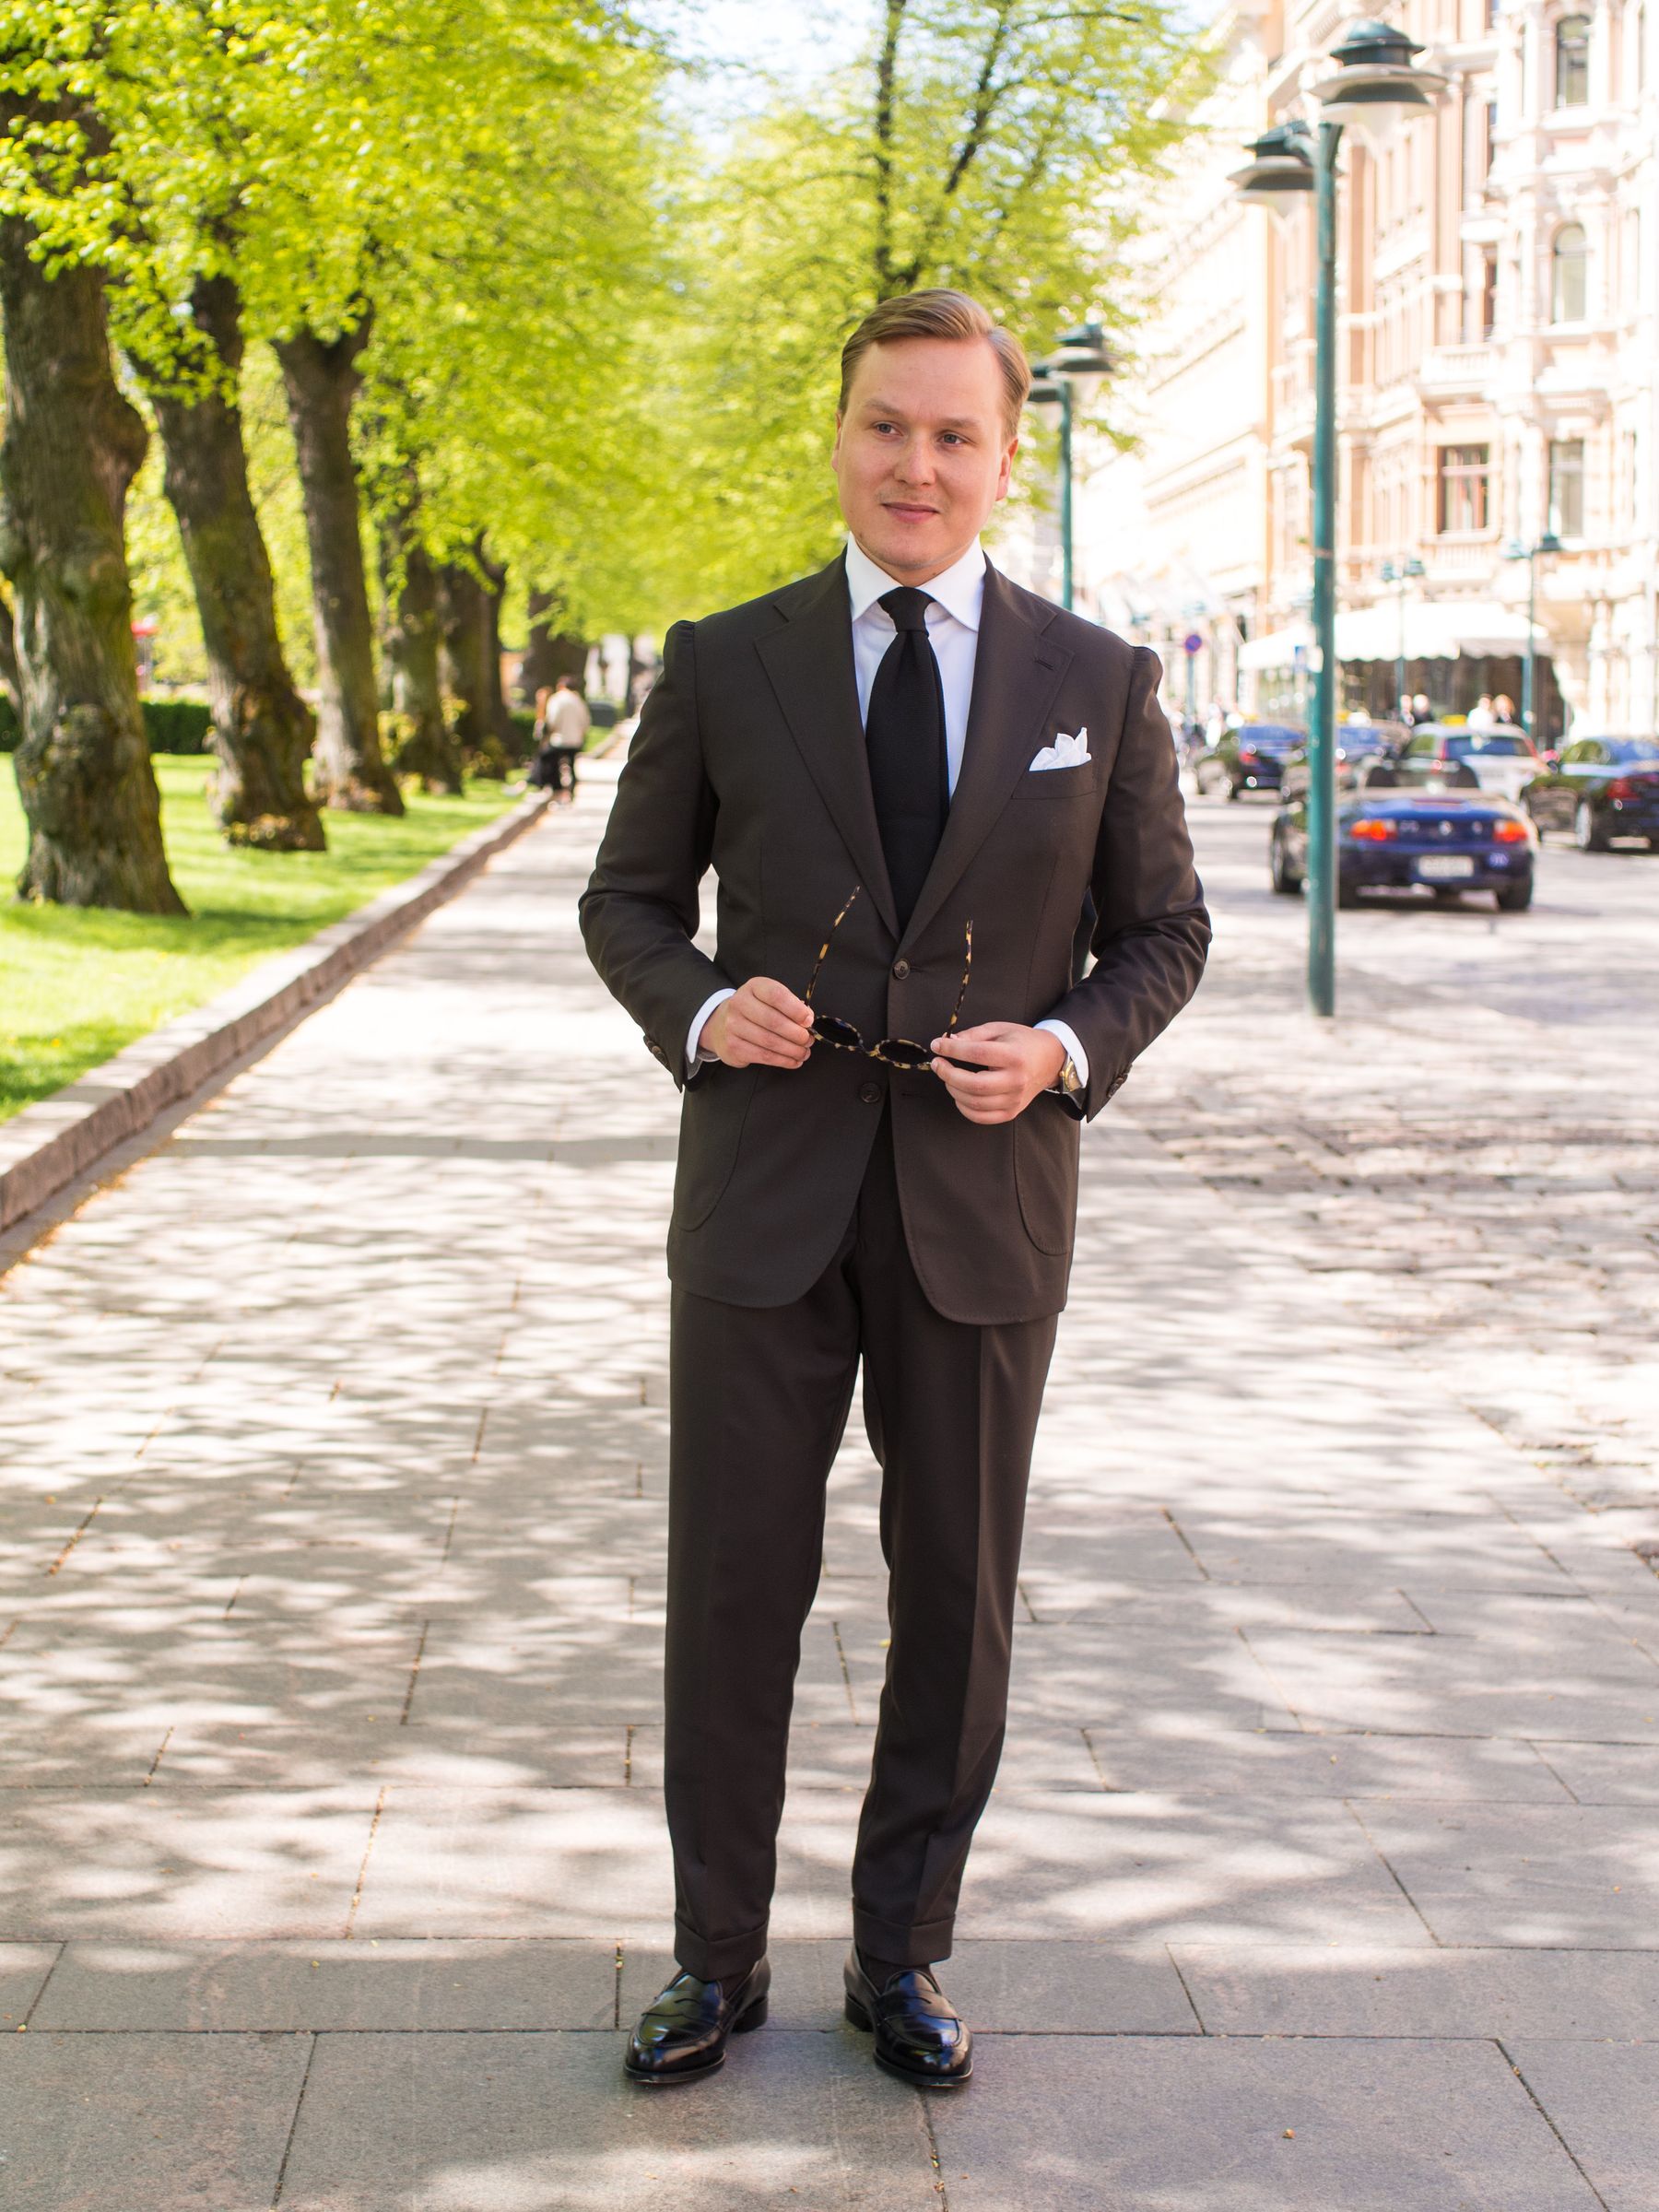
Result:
{"points": [[640, 911], [1151, 931]]}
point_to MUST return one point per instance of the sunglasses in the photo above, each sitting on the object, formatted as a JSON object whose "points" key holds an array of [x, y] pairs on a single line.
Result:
{"points": [[892, 1052]]}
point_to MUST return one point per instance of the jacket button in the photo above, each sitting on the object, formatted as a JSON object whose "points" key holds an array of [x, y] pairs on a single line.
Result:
{"points": [[900, 969], [870, 1094]]}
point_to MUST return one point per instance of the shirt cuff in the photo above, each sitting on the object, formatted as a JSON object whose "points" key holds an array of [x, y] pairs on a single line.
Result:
{"points": [[1073, 1043], [695, 1055]]}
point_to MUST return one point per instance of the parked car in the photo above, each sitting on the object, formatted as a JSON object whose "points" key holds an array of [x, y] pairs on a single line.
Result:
{"points": [[1420, 824], [1600, 788], [1504, 760], [1248, 758], [1358, 745]]}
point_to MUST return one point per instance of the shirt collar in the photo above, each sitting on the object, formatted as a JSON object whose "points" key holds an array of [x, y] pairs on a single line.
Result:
{"points": [[961, 590]]}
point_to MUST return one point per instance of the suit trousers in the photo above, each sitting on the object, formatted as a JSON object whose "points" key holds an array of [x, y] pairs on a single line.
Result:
{"points": [[759, 1401]]}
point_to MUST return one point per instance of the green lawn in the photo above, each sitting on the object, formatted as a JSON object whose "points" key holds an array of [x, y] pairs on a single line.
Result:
{"points": [[76, 983]]}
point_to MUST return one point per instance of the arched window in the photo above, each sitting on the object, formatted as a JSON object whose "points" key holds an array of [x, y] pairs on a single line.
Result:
{"points": [[1573, 60], [1569, 288]]}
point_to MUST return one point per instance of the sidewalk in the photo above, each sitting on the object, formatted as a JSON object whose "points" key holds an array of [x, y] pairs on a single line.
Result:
{"points": [[1321, 1875]]}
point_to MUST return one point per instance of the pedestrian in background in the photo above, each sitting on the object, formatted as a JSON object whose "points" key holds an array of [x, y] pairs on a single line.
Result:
{"points": [[565, 724], [1503, 706], [1420, 711], [1480, 715]]}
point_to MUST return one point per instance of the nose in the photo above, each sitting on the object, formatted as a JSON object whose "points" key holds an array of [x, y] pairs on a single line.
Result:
{"points": [[915, 463]]}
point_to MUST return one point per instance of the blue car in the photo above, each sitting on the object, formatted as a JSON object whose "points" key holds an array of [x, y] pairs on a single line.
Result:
{"points": [[1413, 827]]}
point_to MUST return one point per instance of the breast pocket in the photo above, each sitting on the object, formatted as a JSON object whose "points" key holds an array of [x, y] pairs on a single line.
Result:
{"points": [[1060, 783]]}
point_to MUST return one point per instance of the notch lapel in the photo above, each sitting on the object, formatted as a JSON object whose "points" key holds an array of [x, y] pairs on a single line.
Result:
{"points": [[1016, 672], [809, 665]]}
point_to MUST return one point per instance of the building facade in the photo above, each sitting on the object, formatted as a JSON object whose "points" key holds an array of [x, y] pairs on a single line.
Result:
{"points": [[1498, 380]]}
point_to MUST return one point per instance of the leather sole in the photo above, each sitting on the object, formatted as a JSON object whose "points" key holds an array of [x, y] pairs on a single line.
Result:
{"points": [[919, 2078], [745, 2024]]}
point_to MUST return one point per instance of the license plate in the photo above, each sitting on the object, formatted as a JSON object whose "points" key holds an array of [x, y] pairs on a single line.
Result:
{"points": [[1442, 867]]}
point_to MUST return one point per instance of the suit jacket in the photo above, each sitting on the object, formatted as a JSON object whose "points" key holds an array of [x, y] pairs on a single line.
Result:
{"points": [[749, 756]]}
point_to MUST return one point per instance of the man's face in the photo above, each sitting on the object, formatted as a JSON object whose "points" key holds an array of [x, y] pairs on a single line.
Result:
{"points": [[922, 455]]}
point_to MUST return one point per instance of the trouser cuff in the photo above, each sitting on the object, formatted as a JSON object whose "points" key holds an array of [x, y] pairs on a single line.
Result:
{"points": [[923, 1945], [725, 1959]]}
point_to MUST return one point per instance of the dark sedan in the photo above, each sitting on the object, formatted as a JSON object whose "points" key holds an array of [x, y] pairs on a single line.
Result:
{"points": [[1251, 757], [1415, 828], [1600, 788]]}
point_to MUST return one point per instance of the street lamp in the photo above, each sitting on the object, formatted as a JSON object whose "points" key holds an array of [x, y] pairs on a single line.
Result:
{"points": [[1374, 87], [1547, 543], [1402, 572], [1077, 365]]}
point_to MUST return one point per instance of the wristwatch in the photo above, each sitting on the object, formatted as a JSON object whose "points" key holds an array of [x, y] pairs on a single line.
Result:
{"points": [[1068, 1083]]}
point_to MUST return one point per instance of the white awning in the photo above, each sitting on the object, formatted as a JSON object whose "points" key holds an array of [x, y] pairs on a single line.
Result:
{"points": [[1435, 629], [1278, 649]]}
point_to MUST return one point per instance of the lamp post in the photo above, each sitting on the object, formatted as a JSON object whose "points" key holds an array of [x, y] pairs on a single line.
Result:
{"points": [[1402, 572], [1077, 365], [1373, 87], [1547, 543]]}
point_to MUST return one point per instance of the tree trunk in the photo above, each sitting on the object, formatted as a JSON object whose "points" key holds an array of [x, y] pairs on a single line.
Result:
{"points": [[550, 653], [409, 585], [471, 674], [71, 446], [495, 590], [9, 681], [262, 728], [322, 378]]}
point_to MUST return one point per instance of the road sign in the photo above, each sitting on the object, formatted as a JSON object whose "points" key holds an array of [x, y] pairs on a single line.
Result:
{"points": [[1192, 642]]}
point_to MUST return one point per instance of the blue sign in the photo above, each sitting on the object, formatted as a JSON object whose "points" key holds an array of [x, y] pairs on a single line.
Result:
{"points": [[1192, 642]]}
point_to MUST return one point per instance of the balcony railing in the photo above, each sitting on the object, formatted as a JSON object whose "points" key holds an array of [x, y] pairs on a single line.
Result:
{"points": [[1464, 369]]}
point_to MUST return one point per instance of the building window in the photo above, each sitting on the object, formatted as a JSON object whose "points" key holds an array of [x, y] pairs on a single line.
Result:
{"points": [[1629, 465], [1464, 480], [1567, 487], [1569, 287], [1488, 291], [1572, 61], [1491, 147]]}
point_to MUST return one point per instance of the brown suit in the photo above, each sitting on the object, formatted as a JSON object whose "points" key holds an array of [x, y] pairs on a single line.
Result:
{"points": [[846, 1209]]}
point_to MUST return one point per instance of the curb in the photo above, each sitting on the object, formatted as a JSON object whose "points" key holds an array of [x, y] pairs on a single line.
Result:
{"points": [[50, 1144]]}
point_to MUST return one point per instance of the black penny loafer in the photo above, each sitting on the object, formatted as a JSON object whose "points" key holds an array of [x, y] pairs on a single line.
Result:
{"points": [[684, 2033], [918, 2037]]}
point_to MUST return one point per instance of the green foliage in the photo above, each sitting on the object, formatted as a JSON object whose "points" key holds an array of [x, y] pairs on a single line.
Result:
{"points": [[1004, 146], [77, 983]]}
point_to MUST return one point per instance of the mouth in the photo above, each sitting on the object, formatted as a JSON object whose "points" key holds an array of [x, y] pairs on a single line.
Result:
{"points": [[909, 510]]}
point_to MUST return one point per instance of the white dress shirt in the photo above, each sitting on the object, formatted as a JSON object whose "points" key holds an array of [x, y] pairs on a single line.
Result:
{"points": [[953, 622]]}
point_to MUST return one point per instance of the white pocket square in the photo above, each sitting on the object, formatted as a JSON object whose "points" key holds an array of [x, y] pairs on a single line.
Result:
{"points": [[1066, 752]]}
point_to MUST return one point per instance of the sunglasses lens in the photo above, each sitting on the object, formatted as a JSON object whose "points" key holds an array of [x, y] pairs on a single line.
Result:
{"points": [[828, 1030], [901, 1054]]}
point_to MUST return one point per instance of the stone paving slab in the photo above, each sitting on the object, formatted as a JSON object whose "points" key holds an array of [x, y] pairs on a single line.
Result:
{"points": [[285, 1987], [1557, 1877], [1280, 1763], [512, 2122], [147, 2123], [1342, 1990], [23, 1971], [1605, 2100], [1174, 2124]]}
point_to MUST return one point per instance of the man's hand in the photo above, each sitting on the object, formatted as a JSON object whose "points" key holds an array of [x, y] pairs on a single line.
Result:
{"points": [[763, 1024], [1018, 1064]]}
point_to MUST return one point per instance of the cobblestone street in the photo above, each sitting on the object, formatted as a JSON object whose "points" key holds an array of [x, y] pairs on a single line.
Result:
{"points": [[1321, 1875]]}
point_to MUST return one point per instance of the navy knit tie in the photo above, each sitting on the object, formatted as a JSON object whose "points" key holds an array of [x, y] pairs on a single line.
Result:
{"points": [[904, 730]]}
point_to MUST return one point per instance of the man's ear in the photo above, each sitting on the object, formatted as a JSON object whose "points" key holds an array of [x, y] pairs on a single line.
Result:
{"points": [[835, 448], [1007, 470]]}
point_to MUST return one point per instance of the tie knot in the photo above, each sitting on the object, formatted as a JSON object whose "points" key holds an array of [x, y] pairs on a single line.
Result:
{"points": [[907, 606]]}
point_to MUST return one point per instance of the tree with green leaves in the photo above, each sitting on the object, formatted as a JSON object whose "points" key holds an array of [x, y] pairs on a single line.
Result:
{"points": [[1004, 146], [70, 445]]}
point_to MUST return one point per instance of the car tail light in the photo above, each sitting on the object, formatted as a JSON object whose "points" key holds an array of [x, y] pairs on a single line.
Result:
{"points": [[1373, 830], [1622, 787], [1508, 832], [1247, 752]]}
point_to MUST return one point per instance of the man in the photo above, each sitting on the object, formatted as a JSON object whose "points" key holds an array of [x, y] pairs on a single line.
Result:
{"points": [[954, 791], [565, 725]]}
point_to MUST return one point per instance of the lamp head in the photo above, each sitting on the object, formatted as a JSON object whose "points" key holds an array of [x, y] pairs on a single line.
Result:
{"points": [[1549, 543], [1280, 168], [1375, 86]]}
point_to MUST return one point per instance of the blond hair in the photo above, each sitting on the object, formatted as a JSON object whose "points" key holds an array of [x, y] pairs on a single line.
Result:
{"points": [[940, 314]]}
